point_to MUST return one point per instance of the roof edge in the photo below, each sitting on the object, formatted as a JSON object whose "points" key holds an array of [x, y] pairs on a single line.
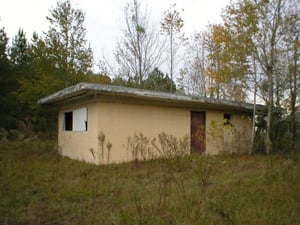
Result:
{"points": [[83, 87]]}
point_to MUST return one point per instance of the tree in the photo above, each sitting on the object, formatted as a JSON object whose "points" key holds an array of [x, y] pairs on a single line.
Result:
{"points": [[266, 42], [158, 81], [58, 59], [241, 23], [67, 44], [139, 52], [261, 26], [217, 69], [22, 69], [124, 82], [228, 56], [7, 83], [19, 51], [249, 23], [171, 25], [292, 47], [194, 78], [42, 80]]}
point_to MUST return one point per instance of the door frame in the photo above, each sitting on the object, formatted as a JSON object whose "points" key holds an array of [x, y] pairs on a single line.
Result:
{"points": [[198, 117]]}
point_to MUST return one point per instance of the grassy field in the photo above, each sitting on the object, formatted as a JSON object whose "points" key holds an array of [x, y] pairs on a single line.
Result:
{"points": [[37, 186]]}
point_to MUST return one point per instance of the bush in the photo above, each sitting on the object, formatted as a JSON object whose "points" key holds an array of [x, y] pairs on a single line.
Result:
{"points": [[171, 146], [141, 147]]}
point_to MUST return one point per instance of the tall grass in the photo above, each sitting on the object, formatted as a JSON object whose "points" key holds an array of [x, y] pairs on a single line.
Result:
{"points": [[38, 186]]}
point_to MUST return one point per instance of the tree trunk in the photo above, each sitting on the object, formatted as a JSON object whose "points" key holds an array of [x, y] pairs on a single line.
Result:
{"points": [[251, 150], [293, 92], [171, 56], [270, 103]]}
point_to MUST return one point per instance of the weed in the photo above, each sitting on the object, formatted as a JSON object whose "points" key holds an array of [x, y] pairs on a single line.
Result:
{"points": [[220, 211], [3, 135], [139, 147], [202, 167], [44, 188], [100, 154], [93, 153], [108, 146], [171, 146], [101, 140], [228, 138]]}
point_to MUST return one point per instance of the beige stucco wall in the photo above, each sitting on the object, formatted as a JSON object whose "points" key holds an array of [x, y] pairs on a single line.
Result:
{"points": [[78, 144], [119, 121], [234, 138]]}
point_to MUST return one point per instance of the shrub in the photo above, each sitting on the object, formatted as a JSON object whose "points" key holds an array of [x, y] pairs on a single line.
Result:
{"points": [[171, 146], [228, 138], [139, 147]]}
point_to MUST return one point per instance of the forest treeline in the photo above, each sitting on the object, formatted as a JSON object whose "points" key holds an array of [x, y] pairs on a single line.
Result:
{"points": [[252, 55]]}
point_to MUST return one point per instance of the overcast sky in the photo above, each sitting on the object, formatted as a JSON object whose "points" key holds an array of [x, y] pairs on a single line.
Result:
{"points": [[103, 18]]}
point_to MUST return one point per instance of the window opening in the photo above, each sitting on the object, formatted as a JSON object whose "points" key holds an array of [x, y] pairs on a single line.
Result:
{"points": [[76, 120], [227, 119], [68, 121]]}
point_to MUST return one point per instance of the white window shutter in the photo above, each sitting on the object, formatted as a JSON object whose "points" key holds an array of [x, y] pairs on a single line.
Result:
{"points": [[80, 119]]}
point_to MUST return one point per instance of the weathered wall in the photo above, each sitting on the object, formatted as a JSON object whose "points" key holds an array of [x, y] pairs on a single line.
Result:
{"points": [[119, 121], [234, 138], [78, 144]]}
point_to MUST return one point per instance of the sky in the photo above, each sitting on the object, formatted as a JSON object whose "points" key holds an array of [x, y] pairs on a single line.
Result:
{"points": [[103, 18]]}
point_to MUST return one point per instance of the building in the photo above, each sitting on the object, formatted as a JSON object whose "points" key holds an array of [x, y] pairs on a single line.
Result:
{"points": [[110, 124]]}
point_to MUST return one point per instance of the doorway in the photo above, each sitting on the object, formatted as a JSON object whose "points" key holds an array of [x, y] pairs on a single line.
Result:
{"points": [[197, 132]]}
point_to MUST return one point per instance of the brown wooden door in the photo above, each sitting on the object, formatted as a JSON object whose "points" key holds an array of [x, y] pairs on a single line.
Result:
{"points": [[197, 132]]}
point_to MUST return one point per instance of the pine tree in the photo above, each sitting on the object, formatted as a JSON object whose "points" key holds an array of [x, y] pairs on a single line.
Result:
{"points": [[7, 84]]}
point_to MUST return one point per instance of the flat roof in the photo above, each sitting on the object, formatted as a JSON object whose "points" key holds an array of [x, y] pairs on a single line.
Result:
{"points": [[83, 91]]}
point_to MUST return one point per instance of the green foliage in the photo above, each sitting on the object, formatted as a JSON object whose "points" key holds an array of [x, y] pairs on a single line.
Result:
{"points": [[22, 69], [98, 78], [121, 81], [158, 81], [261, 28], [59, 59], [47, 64], [172, 23], [8, 85], [67, 43], [228, 138], [19, 53], [229, 63], [40, 187], [282, 136]]}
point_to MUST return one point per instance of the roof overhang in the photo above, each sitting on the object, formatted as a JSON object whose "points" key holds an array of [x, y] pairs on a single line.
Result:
{"points": [[85, 91]]}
